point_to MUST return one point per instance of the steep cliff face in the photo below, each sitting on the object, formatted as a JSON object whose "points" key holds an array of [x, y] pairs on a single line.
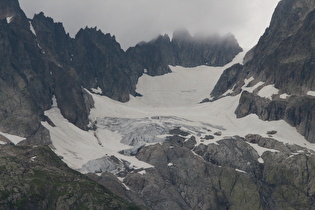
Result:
{"points": [[25, 80], [214, 50], [57, 48], [100, 62], [284, 54], [284, 58], [154, 56]]}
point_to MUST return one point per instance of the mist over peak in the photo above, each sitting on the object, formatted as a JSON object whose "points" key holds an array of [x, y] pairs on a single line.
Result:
{"points": [[140, 20]]}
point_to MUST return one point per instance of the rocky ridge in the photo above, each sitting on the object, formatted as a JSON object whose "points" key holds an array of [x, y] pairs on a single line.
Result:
{"points": [[184, 50], [283, 58]]}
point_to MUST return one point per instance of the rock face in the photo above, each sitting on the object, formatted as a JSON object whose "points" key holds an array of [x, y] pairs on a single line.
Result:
{"points": [[298, 111], [100, 62], [284, 58], [184, 50], [206, 50], [230, 174], [35, 178], [25, 82]]}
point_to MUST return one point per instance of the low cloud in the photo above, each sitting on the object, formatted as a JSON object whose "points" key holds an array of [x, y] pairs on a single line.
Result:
{"points": [[141, 20]]}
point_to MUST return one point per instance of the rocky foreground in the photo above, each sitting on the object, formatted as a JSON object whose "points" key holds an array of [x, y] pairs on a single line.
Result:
{"points": [[229, 174], [35, 178]]}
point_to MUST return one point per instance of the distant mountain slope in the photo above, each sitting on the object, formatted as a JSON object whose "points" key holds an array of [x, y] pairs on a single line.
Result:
{"points": [[285, 59]]}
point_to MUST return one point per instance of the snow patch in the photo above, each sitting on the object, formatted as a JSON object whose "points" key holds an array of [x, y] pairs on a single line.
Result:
{"points": [[260, 160], [33, 30], [9, 19], [268, 91], [247, 81], [284, 96], [230, 91], [311, 93], [251, 89], [143, 172], [122, 182], [97, 90], [241, 171], [54, 100], [13, 138], [260, 150], [33, 158], [39, 46]]}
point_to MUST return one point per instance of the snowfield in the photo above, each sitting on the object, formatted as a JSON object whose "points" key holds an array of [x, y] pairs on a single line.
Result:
{"points": [[168, 102], [11, 138]]}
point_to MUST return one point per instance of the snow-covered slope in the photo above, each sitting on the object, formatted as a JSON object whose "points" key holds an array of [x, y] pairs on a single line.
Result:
{"points": [[183, 87], [168, 102]]}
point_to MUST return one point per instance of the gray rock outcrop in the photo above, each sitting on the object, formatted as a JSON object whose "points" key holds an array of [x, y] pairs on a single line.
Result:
{"points": [[229, 174], [283, 57]]}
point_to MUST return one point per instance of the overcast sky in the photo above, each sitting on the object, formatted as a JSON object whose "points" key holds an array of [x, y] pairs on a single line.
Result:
{"points": [[132, 21]]}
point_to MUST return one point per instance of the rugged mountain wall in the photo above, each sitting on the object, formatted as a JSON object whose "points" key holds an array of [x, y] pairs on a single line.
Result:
{"points": [[214, 50], [184, 50], [100, 62], [57, 49], [25, 80], [284, 57]]}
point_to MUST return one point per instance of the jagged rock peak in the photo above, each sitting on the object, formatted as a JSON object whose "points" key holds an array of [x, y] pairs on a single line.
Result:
{"points": [[48, 19], [184, 50], [99, 32], [161, 38]]}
